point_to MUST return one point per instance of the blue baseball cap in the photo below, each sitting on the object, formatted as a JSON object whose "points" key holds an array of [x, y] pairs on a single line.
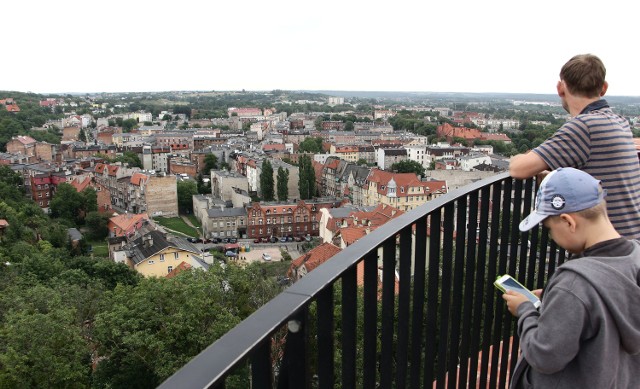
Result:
{"points": [[564, 190]]}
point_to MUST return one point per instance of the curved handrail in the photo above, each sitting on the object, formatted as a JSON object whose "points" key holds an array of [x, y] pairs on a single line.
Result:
{"points": [[219, 358]]}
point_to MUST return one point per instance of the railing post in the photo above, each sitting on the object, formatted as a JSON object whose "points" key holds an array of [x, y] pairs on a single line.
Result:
{"points": [[294, 371]]}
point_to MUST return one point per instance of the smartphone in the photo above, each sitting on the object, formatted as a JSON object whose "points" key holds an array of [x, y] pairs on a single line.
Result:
{"points": [[506, 282]]}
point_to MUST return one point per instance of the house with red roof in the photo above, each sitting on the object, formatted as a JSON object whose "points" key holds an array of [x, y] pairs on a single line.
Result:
{"points": [[311, 259], [404, 191], [127, 224]]}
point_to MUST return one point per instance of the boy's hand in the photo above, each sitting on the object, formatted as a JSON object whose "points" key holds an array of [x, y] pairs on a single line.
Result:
{"points": [[514, 299]]}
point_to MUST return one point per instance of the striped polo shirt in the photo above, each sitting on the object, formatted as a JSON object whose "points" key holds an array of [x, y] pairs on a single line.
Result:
{"points": [[600, 143]]}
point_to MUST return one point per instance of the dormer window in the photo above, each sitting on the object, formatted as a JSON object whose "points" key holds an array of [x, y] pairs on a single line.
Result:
{"points": [[402, 189], [382, 187]]}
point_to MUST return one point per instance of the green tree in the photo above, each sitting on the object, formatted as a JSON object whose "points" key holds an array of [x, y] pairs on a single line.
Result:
{"points": [[348, 125], [186, 191], [43, 348], [307, 178], [310, 145], [70, 205], [266, 181], [283, 184], [408, 166], [129, 124], [210, 163], [130, 158], [96, 224]]}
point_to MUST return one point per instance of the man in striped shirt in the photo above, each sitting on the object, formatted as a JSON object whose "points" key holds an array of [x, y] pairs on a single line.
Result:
{"points": [[595, 140]]}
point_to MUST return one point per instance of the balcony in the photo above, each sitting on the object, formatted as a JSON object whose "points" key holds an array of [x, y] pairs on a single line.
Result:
{"points": [[410, 305]]}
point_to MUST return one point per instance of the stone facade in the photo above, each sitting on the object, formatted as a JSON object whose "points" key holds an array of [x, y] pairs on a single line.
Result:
{"points": [[162, 196]]}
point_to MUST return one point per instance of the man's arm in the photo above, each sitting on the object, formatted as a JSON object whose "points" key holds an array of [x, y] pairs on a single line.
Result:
{"points": [[526, 165]]}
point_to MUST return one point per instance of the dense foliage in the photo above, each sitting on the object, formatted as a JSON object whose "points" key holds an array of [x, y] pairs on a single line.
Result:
{"points": [[73, 321]]}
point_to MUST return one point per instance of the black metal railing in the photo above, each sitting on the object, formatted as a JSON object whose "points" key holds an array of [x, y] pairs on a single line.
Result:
{"points": [[410, 305]]}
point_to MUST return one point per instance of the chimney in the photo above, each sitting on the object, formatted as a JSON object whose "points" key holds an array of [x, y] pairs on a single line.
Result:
{"points": [[147, 241]]}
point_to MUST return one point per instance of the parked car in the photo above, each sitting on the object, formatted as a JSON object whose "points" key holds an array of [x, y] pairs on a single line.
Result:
{"points": [[283, 239], [289, 238], [264, 240], [192, 240], [257, 240], [231, 253], [225, 240], [233, 240], [274, 239], [266, 256], [298, 238]]}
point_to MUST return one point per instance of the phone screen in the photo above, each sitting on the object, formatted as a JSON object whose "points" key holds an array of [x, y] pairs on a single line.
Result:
{"points": [[511, 284]]}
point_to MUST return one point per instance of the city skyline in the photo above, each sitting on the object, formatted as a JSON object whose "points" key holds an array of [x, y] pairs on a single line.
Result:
{"points": [[458, 46]]}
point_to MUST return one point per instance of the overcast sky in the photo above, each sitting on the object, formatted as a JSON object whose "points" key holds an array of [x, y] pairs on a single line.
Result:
{"points": [[443, 46]]}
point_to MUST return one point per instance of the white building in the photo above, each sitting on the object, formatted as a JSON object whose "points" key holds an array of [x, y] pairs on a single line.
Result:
{"points": [[468, 162]]}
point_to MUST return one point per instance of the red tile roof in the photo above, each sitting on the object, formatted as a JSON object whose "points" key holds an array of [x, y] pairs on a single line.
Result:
{"points": [[81, 184], [138, 179], [315, 257], [179, 269], [126, 223]]}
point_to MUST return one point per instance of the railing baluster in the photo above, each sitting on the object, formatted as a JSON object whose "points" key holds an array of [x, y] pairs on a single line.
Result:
{"points": [[420, 259], [388, 314], [349, 317], [295, 355], [507, 250], [326, 343], [370, 340], [475, 366], [458, 292], [261, 365], [404, 305], [432, 298], [490, 317], [469, 269], [445, 292]]}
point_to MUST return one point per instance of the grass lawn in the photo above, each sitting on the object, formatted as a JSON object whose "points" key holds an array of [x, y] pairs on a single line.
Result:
{"points": [[193, 219], [177, 224], [100, 248]]}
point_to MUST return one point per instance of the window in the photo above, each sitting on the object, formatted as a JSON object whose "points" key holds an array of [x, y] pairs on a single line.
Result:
{"points": [[297, 219], [282, 219], [268, 212], [269, 230], [306, 218], [402, 189], [151, 262], [169, 269], [289, 220], [275, 211], [176, 255], [161, 257], [259, 221], [260, 231]]}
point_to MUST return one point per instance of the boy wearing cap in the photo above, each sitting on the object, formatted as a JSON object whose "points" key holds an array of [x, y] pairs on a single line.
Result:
{"points": [[587, 331]]}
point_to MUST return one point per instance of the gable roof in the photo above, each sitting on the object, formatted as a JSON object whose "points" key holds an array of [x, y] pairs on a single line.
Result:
{"points": [[315, 257], [139, 251]]}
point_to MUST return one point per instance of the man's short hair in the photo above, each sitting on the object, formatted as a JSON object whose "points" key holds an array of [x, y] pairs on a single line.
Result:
{"points": [[584, 75]]}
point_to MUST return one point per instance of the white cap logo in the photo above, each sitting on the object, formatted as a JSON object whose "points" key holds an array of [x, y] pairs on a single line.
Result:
{"points": [[557, 202]]}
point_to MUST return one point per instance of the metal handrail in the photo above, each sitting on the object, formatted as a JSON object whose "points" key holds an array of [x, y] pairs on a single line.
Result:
{"points": [[212, 365]]}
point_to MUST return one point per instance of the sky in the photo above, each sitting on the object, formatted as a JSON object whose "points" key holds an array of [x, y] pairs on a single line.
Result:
{"points": [[350, 45]]}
